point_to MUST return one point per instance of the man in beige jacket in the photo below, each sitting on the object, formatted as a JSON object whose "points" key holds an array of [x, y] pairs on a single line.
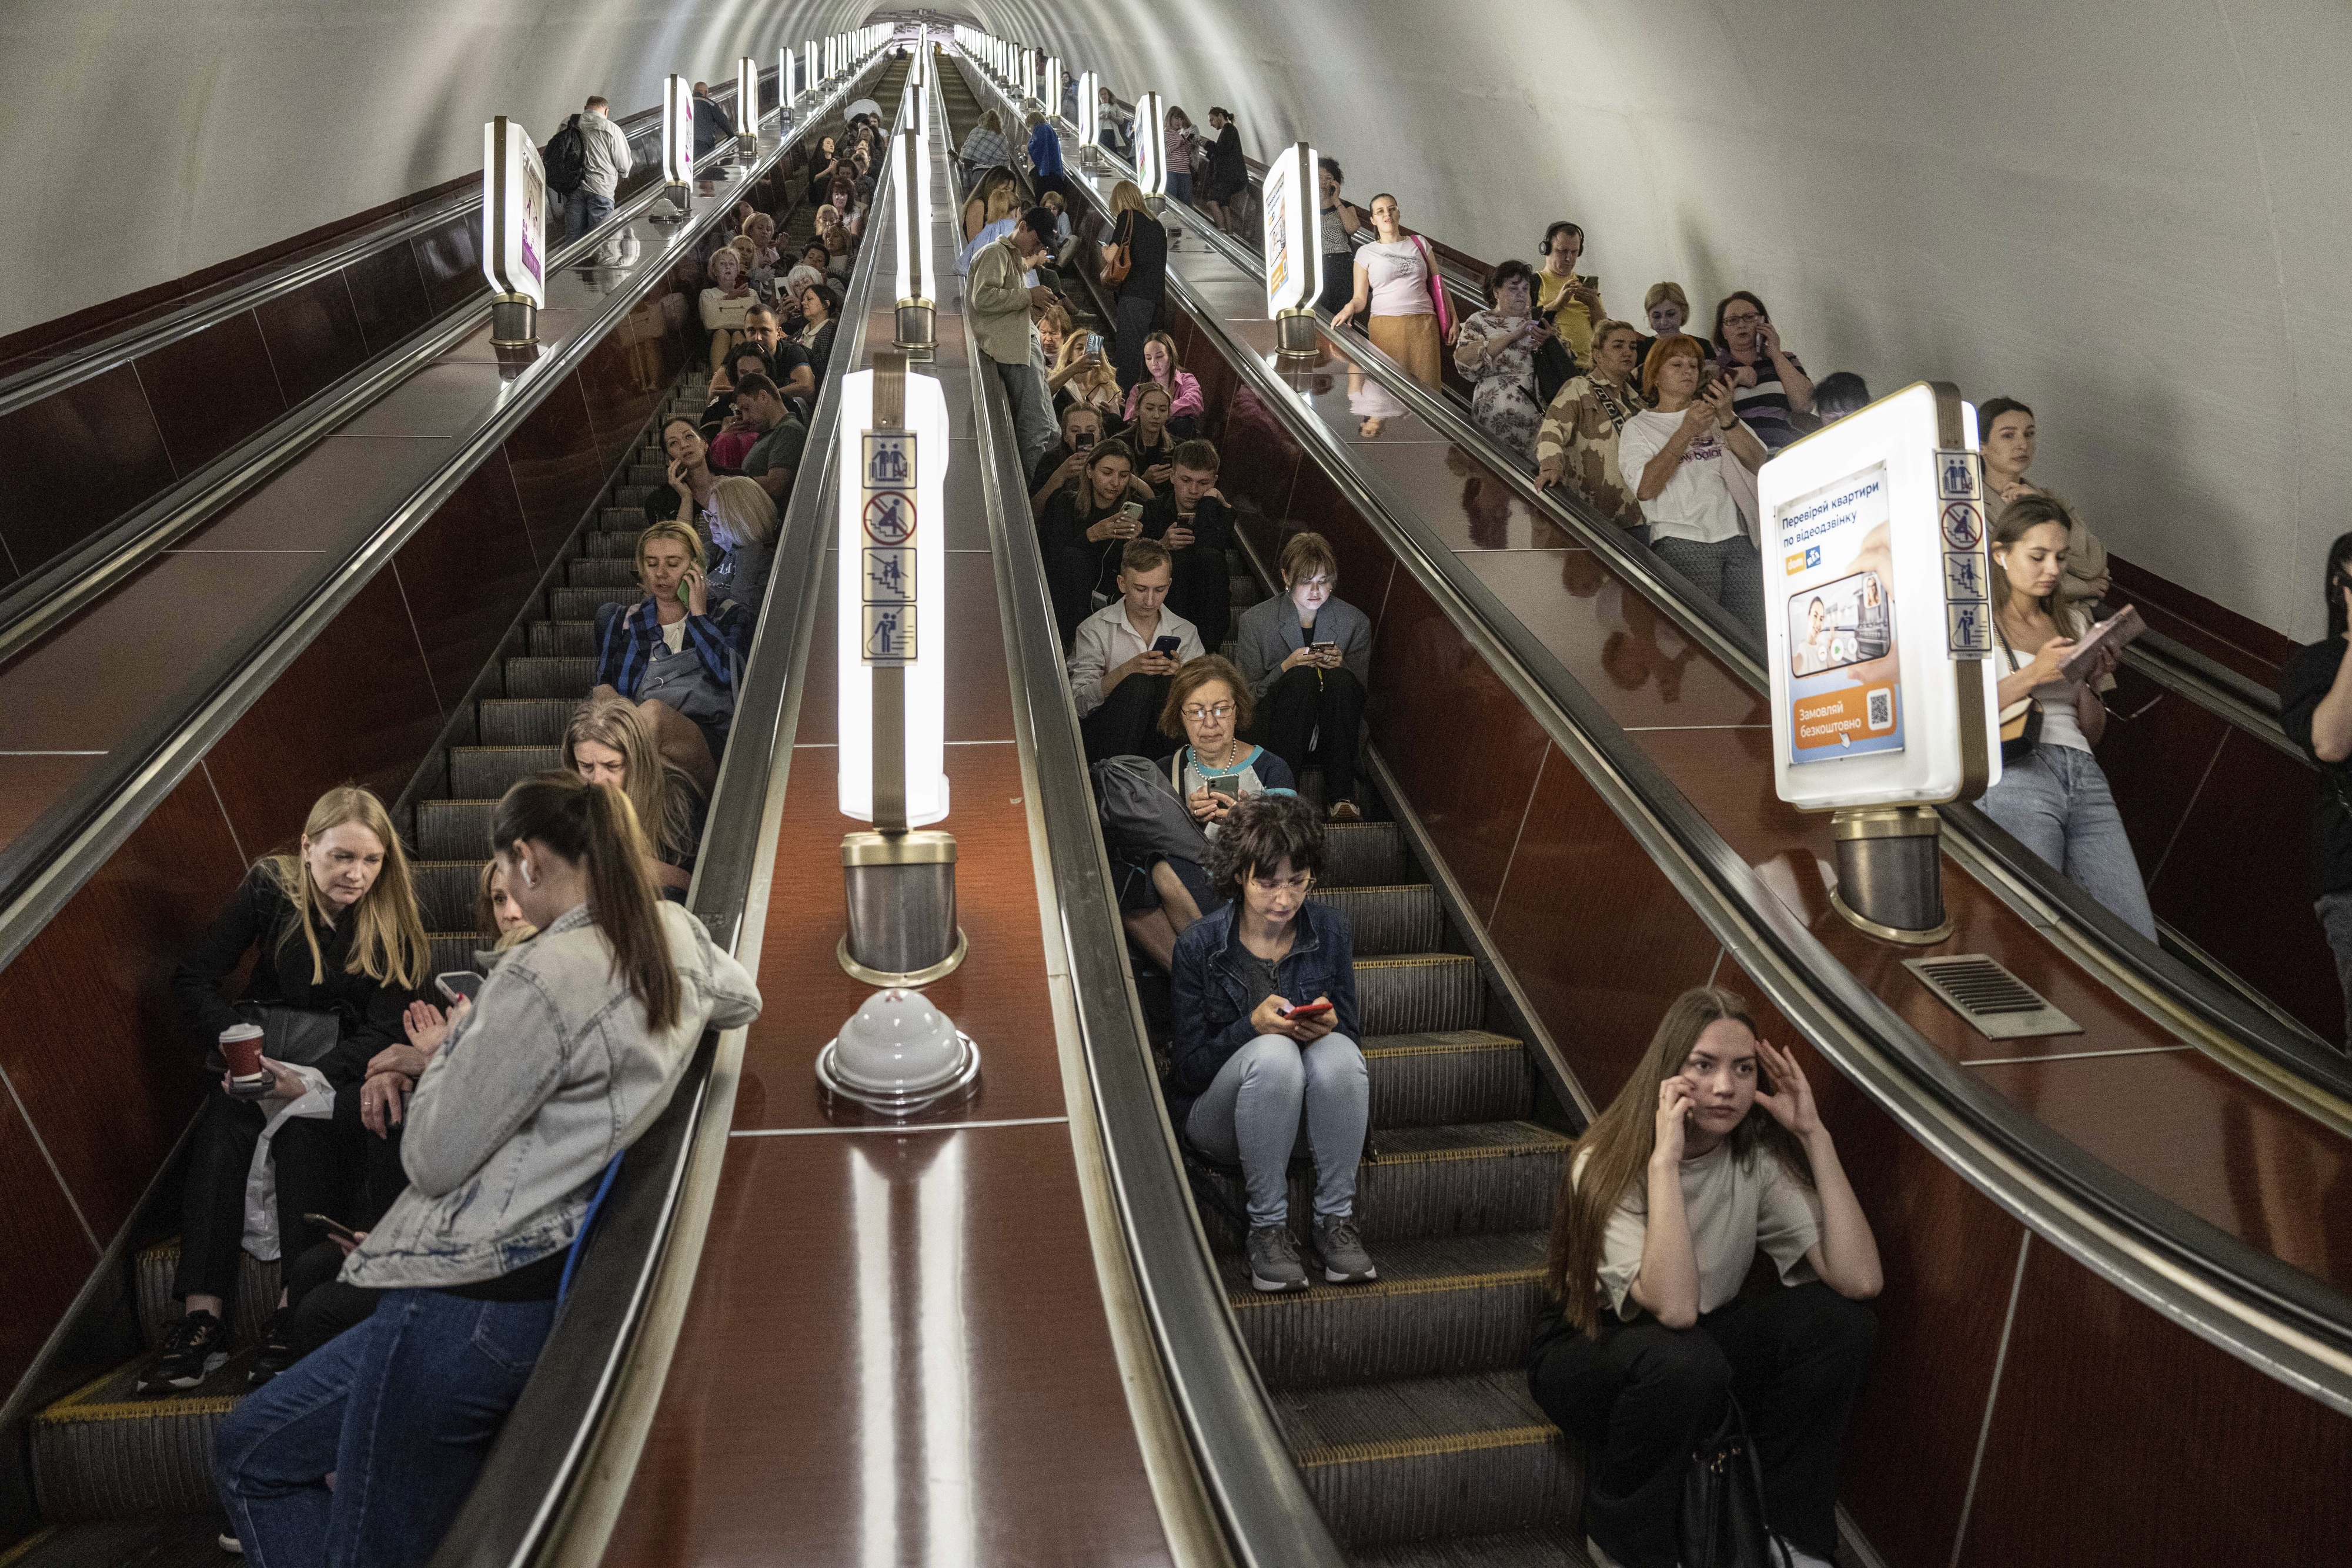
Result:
{"points": [[1000, 305]]}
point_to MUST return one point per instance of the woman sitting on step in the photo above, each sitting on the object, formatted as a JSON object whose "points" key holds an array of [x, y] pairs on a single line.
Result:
{"points": [[675, 653], [1712, 1150], [607, 743], [338, 949], [1264, 1053]]}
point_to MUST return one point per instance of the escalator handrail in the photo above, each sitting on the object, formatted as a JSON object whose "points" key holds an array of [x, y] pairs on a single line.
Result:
{"points": [[1270, 1520], [525, 1505], [46, 864], [2247, 1301], [2261, 1043]]}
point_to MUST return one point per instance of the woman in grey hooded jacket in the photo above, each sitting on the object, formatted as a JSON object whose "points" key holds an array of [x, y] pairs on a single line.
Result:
{"points": [[575, 1047]]}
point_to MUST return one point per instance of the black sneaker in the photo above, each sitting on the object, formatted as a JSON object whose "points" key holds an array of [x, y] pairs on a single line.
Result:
{"points": [[1345, 1261], [277, 1354], [1274, 1259], [194, 1350]]}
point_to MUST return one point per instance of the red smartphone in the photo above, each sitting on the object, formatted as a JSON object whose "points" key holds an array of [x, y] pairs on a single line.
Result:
{"points": [[1307, 1011]]}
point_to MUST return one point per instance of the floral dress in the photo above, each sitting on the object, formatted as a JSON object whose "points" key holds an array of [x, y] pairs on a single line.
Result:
{"points": [[1503, 399], [1579, 433]]}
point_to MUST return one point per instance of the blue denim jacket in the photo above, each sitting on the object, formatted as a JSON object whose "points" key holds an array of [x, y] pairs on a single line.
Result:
{"points": [[1213, 993]]}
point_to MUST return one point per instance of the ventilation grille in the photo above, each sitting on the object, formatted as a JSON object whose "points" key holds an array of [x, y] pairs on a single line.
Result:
{"points": [[1997, 1004]]}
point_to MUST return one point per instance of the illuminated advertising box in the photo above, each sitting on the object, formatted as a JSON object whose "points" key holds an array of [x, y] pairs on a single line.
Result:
{"points": [[1294, 260], [514, 212]]}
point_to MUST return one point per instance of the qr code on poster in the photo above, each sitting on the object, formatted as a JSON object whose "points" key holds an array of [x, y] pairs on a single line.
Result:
{"points": [[1881, 710]]}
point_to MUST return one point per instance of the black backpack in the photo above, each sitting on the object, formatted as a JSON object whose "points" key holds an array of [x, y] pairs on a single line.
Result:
{"points": [[566, 158]]}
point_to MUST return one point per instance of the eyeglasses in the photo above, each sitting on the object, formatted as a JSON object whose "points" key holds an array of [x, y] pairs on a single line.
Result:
{"points": [[1741, 321], [1196, 713]]}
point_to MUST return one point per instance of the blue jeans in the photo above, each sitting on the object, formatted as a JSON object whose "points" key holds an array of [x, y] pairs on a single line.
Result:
{"points": [[2056, 803], [1180, 187], [582, 211], [1032, 411], [1254, 1109], [401, 1410]]}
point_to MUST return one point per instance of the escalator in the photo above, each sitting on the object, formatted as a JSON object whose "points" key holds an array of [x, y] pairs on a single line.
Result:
{"points": [[2098, 1244], [102, 1476]]}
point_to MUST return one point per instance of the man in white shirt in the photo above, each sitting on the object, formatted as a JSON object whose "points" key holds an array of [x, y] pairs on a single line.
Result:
{"points": [[1125, 653]]}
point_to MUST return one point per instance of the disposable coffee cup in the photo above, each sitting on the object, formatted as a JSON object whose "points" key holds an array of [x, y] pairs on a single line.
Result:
{"points": [[241, 1047]]}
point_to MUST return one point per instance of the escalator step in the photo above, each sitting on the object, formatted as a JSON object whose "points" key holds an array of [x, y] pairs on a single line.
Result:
{"points": [[524, 721], [582, 603], [1454, 1075], [563, 639], [454, 829], [645, 474], [484, 772], [569, 678], [613, 544], [1417, 992], [1430, 1456], [445, 891], [1553, 1546], [622, 519], [1245, 590], [1403, 919], [1466, 1178], [632, 495], [603, 571], [452, 951], [144, 1540], [257, 1293], [1362, 854], [103, 1450], [1443, 1306]]}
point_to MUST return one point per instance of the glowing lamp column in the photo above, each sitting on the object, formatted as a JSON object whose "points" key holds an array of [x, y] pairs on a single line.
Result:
{"points": [[1052, 86], [1028, 74], [1294, 260], [809, 81], [892, 657], [514, 233], [785, 91], [911, 190], [1089, 120], [1151, 148], [747, 110]]}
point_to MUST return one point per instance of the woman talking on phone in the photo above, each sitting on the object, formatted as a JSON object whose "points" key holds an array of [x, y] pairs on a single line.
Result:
{"points": [[2052, 793], [1306, 658], [338, 948], [675, 653], [690, 478], [363, 1452], [1264, 1054], [1712, 1151]]}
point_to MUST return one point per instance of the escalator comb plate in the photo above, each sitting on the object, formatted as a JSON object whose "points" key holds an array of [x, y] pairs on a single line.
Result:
{"points": [[1996, 1003]]}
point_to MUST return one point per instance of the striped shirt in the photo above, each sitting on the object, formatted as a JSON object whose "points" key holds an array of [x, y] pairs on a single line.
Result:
{"points": [[1764, 406], [721, 638]]}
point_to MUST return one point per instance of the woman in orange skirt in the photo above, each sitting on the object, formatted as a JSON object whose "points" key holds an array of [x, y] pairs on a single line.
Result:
{"points": [[1400, 297]]}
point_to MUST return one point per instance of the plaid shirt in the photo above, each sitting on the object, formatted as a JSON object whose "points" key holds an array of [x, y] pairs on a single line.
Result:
{"points": [[721, 638]]}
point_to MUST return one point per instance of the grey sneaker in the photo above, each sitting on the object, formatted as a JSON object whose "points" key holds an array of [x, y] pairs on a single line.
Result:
{"points": [[1345, 1261], [1273, 1259]]}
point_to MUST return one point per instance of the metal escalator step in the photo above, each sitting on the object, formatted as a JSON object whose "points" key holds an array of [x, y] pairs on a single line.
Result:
{"points": [[1400, 919], [1409, 992], [632, 497], [524, 721], [1443, 1306], [1449, 1075], [446, 892], [563, 639], [1462, 1179], [620, 517], [1362, 854], [1431, 1457], [645, 474], [485, 772], [452, 950], [454, 829], [570, 679], [257, 1293], [145, 1541], [104, 1452], [1244, 590], [582, 603], [603, 571], [1552, 1546], [614, 544]]}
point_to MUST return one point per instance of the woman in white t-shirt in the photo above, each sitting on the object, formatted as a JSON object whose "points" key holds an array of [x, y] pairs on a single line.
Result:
{"points": [[1679, 455], [1712, 1150], [1401, 298], [2054, 795]]}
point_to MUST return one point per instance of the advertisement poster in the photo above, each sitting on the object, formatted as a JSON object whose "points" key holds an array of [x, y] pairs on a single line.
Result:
{"points": [[1276, 201], [1838, 585], [533, 216]]}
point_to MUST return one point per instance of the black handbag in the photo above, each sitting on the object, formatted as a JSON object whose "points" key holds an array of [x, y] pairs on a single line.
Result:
{"points": [[2020, 721], [298, 1037], [1723, 1524]]}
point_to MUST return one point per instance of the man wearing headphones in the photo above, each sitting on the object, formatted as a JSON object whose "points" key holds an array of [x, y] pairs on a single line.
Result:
{"points": [[1572, 303]]}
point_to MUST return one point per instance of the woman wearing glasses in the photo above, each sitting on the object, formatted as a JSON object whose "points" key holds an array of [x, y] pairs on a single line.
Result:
{"points": [[1263, 1052], [1769, 390]]}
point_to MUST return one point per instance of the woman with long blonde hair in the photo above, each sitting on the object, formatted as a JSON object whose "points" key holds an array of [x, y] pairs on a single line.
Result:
{"points": [[607, 743], [338, 947], [1712, 1151]]}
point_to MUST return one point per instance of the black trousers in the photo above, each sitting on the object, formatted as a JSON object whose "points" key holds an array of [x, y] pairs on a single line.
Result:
{"points": [[212, 1196], [1640, 1396], [349, 1173], [1074, 574], [1303, 701], [322, 1305], [1201, 591], [1128, 722]]}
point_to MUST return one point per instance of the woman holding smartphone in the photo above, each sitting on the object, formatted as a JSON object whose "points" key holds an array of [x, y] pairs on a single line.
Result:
{"points": [[691, 477], [1712, 1152], [1497, 352], [338, 949], [1155, 447], [1263, 1052], [1084, 530], [1307, 657], [365, 1450], [1082, 375]]}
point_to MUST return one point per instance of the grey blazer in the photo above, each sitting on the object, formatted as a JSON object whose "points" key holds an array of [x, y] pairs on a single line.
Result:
{"points": [[1269, 632]]}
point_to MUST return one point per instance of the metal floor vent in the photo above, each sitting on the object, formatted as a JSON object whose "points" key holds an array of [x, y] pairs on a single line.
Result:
{"points": [[1996, 1003]]}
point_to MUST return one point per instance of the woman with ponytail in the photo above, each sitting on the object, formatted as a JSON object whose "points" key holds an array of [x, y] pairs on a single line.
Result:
{"points": [[1712, 1150], [573, 1047]]}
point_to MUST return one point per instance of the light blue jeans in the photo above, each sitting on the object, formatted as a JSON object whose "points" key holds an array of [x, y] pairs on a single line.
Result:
{"points": [[2057, 804], [1272, 1096]]}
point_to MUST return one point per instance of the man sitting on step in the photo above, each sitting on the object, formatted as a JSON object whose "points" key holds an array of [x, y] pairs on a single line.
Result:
{"points": [[1125, 654]]}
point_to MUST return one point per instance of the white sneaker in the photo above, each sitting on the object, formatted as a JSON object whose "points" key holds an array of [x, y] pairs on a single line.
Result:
{"points": [[1799, 1556]]}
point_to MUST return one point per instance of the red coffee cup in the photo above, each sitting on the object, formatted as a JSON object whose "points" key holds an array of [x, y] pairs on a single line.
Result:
{"points": [[241, 1046]]}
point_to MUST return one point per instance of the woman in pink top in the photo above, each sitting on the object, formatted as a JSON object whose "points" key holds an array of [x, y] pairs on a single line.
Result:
{"points": [[1398, 292], [1179, 143], [1184, 388]]}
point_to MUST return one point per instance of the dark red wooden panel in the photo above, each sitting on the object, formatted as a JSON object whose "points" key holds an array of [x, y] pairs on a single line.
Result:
{"points": [[449, 260], [72, 464], [212, 389], [388, 292], [45, 1255], [556, 467], [464, 574], [314, 336]]}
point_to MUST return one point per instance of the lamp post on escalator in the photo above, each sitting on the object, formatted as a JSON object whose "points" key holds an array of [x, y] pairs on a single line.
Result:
{"points": [[1294, 260], [514, 239], [910, 187], [747, 110], [1151, 150], [1089, 120]]}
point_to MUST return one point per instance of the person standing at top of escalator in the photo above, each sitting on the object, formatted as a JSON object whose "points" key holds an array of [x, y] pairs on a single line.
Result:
{"points": [[1227, 180], [1712, 1152], [2315, 709], [711, 121]]}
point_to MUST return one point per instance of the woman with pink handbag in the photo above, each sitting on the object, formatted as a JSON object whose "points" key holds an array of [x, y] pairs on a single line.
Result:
{"points": [[1401, 298]]}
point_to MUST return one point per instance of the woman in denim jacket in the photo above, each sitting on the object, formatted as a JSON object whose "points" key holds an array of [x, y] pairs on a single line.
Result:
{"points": [[578, 1039], [1266, 1039]]}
